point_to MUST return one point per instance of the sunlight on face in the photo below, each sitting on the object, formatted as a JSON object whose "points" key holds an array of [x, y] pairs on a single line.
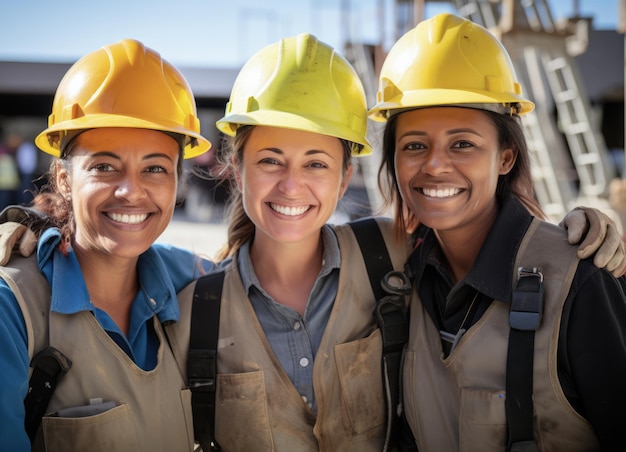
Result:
{"points": [[291, 182], [447, 163], [122, 183]]}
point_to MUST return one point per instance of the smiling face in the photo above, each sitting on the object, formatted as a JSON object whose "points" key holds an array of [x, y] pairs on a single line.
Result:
{"points": [[291, 182], [122, 184], [447, 163]]}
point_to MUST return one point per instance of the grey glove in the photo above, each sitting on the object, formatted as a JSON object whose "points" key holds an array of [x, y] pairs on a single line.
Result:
{"points": [[599, 235]]}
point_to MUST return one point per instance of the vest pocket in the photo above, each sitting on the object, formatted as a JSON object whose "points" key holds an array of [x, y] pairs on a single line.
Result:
{"points": [[242, 419], [360, 379], [107, 431], [482, 420]]}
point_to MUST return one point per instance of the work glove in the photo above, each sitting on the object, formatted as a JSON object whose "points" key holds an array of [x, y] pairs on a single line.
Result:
{"points": [[15, 224], [596, 233], [12, 233]]}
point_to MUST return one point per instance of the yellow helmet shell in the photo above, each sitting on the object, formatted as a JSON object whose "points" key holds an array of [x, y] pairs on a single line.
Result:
{"points": [[447, 60], [299, 83], [125, 84]]}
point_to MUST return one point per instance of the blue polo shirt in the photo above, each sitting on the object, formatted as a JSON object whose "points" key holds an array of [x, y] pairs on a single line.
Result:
{"points": [[163, 271]]}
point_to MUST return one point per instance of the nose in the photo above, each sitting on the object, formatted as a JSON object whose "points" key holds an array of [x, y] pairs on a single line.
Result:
{"points": [[436, 161], [130, 187], [290, 181]]}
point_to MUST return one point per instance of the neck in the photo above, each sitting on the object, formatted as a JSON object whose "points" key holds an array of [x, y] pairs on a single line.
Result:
{"points": [[461, 245], [287, 271], [112, 284]]}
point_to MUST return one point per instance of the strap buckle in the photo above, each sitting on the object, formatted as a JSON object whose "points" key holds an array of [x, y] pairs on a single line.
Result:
{"points": [[527, 303], [202, 370]]}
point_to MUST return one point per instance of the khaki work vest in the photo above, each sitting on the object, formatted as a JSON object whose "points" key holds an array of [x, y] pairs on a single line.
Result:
{"points": [[259, 409], [153, 408], [457, 403]]}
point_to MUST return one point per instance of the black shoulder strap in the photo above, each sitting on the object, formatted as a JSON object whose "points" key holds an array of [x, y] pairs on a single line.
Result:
{"points": [[202, 357], [390, 312], [524, 319], [374, 252]]}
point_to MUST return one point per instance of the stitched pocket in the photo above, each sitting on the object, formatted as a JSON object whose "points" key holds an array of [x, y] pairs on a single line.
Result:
{"points": [[242, 419], [482, 420], [104, 432], [360, 377]]}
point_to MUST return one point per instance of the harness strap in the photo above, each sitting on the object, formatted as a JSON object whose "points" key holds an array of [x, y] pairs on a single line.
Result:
{"points": [[202, 357], [390, 312], [49, 365], [524, 319]]}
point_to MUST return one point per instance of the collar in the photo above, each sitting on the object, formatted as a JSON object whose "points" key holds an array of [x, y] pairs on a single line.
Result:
{"points": [[331, 259], [492, 272], [69, 291]]}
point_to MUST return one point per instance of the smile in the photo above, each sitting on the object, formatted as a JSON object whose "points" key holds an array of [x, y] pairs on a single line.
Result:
{"points": [[126, 218], [441, 192], [289, 211]]}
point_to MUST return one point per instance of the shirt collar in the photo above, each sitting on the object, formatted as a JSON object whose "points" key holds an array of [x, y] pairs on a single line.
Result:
{"points": [[492, 272], [331, 259], [69, 291]]}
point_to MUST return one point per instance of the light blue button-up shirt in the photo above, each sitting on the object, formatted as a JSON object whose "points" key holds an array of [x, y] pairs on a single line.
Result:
{"points": [[293, 338]]}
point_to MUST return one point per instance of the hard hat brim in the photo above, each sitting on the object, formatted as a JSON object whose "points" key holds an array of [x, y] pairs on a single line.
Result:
{"points": [[443, 97], [49, 140], [229, 124]]}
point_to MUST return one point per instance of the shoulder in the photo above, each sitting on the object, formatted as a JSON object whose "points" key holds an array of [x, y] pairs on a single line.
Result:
{"points": [[367, 233], [182, 259]]}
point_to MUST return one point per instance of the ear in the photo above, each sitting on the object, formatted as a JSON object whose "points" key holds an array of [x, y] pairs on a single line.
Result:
{"points": [[63, 180], [346, 180], [507, 161]]}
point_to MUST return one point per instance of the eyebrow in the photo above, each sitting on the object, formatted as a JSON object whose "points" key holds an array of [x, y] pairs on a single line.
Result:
{"points": [[309, 152], [117, 157], [449, 132]]}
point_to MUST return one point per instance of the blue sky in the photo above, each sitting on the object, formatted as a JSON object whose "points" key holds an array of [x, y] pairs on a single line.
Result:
{"points": [[213, 33]]}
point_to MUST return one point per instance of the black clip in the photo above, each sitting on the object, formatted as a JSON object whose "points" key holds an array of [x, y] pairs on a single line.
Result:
{"points": [[527, 303], [49, 365], [392, 313]]}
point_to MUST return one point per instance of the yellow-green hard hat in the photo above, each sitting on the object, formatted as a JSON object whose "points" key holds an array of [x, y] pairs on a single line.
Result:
{"points": [[299, 83]]}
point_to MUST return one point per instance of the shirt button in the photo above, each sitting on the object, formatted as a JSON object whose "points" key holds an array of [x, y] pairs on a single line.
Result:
{"points": [[304, 362], [305, 399], [296, 326], [152, 302]]}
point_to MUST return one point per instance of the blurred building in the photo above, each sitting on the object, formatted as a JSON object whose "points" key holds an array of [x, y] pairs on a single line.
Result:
{"points": [[574, 73]]}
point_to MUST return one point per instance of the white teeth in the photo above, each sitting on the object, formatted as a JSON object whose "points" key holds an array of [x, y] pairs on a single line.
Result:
{"points": [[289, 211], [128, 219], [441, 192]]}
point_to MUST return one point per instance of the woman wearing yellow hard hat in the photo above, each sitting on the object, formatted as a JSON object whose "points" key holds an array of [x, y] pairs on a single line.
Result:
{"points": [[299, 354], [89, 310], [516, 343], [302, 362]]}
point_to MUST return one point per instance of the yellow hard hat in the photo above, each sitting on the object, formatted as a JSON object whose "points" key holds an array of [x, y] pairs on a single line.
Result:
{"points": [[125, 84], [299, 83], [448, 60]]}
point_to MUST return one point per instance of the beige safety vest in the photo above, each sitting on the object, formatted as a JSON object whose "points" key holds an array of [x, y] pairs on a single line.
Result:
{"points": [[153, 408], [259, 409], [457, 403]]}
